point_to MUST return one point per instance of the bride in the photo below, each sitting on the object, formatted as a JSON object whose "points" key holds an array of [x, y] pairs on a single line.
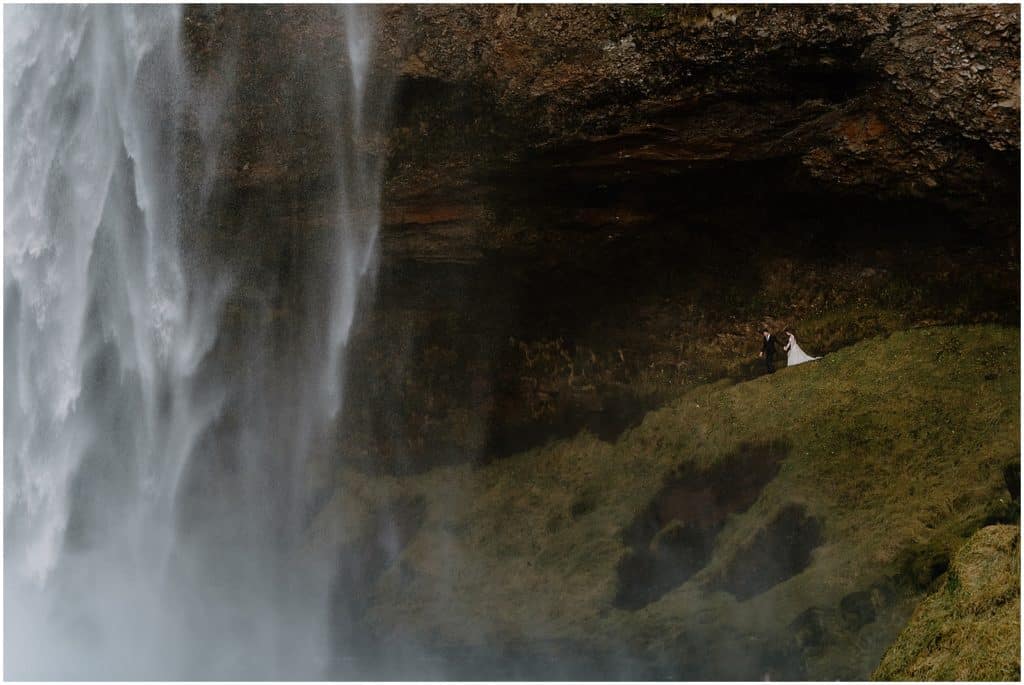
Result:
{"points": [[796, 355]]}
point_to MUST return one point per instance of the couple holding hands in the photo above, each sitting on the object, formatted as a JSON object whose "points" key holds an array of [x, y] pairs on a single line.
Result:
{"points": [[795, 355]]}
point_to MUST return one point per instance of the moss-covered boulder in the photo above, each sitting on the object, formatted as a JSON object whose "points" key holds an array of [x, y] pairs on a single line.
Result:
{"points": [[969, 628]]}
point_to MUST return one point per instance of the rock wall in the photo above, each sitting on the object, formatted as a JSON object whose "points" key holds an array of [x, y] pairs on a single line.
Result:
{"points": [[630, 192], [894, 101], [587, 209]]}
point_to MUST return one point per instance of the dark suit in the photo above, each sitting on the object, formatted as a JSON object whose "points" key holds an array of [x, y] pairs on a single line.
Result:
{"points": [[768, 350]]}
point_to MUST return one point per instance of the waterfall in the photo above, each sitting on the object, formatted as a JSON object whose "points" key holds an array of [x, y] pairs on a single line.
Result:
{"points": [[157, 487]]}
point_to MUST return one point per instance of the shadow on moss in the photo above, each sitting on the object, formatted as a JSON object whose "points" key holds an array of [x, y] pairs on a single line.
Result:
{"points": [[675, 535]]}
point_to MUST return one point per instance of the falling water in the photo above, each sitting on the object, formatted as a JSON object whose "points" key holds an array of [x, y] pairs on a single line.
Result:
{"points": [[157, 490]]}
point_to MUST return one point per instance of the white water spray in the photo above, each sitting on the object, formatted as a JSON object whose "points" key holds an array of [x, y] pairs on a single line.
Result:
{"points": [[117, 564]]}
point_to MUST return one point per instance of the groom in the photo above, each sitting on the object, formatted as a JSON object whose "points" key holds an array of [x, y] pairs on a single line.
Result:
{"points": [[768, 350]]}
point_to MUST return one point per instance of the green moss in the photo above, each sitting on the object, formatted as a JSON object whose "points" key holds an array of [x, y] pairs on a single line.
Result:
{"points": [[968, 629], [897, 449], [952, 582]]}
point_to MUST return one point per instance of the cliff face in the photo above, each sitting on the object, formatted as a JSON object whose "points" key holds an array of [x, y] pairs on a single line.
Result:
{"points": [[588, 208], [628, 193], [918, 101], [893, 101]]}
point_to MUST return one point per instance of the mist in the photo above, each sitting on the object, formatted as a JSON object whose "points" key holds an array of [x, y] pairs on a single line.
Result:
{"points": [[156, 448], [422, 342]]}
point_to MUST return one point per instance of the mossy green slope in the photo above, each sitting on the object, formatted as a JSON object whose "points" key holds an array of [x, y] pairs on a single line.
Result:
{"points": [[968, 629], [894, 452]]}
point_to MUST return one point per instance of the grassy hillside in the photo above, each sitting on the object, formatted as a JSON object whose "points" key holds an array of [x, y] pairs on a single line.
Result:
{"points": [[785, 526], [968, 629]]}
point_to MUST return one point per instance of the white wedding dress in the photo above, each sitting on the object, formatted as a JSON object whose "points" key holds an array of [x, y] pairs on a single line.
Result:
{"points": [[796, 355]]}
